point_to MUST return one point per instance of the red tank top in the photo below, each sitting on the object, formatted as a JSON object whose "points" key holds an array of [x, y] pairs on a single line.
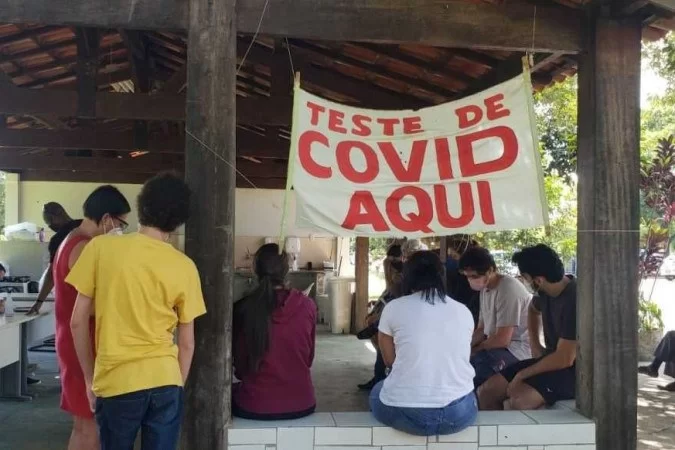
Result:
{"points": [[64, 297]]}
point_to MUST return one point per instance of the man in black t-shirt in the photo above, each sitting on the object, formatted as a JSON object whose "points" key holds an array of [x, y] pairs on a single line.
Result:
{"points": [[551, 375], [56, 218]]}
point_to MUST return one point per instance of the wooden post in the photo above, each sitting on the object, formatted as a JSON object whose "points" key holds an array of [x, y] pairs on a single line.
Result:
{"points": [[362, 258], [608, 238], [210, 161]]}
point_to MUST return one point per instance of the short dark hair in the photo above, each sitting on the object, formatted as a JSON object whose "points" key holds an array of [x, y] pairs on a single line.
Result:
{"points": [[164, 202], [394, 251], [54, 209], [105, 200], [540, 261], [423, 272], [478, 259], [2, 268]]}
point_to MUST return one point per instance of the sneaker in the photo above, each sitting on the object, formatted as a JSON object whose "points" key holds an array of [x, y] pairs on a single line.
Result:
{"points": [[33, 381], [649, 371], [668, 387], [369, 385]]}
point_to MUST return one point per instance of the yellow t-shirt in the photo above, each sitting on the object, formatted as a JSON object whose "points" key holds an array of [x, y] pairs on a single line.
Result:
{"points": [[141, 288]]}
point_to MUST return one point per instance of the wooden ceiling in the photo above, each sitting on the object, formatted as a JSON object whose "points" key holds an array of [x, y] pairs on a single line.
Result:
{"points": [[45, 141]]}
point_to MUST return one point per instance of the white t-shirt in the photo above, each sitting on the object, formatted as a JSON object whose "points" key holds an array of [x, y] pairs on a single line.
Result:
{"points": [[433, 347], [506, 306]]}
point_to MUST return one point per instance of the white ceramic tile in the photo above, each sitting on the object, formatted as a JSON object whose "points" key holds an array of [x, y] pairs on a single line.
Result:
{"points": [[535, 447], [454, 446], [550, 416], [246, 447], [346, 448], [487, 436], [252, 436], [315, 420], [569, 404], [503, 448], [405, 447], [502, 418], [295, 439], [389, 436], [571, 447], [343, 436], [555, 434], [355, 419], [468, 435]]}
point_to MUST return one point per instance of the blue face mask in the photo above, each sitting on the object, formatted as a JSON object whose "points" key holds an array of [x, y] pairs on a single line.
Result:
{"points": [[451, 265]]}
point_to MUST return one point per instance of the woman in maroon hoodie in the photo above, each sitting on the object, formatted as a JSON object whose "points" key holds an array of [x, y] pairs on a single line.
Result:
{"points": [[274, 330]]}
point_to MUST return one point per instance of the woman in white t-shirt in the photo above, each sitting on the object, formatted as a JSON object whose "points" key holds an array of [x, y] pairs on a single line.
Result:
{"points": [[425, 338]]}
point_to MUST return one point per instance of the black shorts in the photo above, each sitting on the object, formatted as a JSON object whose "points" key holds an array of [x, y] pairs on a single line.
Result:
{"points": [[552, 386]]}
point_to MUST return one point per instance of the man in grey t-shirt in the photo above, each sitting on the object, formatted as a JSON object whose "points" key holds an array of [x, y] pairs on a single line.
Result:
{"points": [[501, 337]]}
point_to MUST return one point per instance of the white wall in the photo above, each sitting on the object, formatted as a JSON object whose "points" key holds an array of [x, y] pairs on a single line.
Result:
{"points": [[258, 215]]}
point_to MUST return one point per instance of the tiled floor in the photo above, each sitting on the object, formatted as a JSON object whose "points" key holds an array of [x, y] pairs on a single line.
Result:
{"points": [[342, 362]]}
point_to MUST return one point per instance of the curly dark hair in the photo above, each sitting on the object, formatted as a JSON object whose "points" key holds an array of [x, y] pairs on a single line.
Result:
{"points": [[540, 261], [164, 202], [478, 259]]}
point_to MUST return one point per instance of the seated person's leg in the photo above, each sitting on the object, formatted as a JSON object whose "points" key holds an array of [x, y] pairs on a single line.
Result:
{"points": [[543, 389], [492, 393], [489, 362]]}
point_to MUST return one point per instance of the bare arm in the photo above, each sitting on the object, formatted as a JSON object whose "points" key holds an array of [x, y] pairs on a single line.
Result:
{"points": [[533, 327], [387, 349], [79, 326], [186, 347], [501, 339], [47, 286], [564, 356], [478, 334]]}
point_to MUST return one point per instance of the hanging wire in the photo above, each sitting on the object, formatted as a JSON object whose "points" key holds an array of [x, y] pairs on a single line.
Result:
{"points": [[255, 35], [290, 57]]}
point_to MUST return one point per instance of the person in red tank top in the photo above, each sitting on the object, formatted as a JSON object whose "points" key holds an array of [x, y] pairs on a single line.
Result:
{"points": [[273, 348], [105, 211]]}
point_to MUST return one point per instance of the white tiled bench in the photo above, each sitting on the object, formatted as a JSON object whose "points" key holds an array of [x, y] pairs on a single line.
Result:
{"points": [[560, 428]]}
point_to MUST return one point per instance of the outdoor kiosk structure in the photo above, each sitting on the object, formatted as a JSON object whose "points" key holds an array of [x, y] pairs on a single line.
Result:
{"points": [[198, 108]]}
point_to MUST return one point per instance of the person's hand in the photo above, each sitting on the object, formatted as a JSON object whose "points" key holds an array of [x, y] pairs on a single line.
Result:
{"points": [[35, 309], [91, 397], [514, 384]]}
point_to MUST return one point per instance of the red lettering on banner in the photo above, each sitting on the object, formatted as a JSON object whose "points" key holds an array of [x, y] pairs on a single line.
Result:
{"points": [[388, 125], [371, 215], [360, 127], [335, 121], [442, 207], [413, 222], [414, 170], [316, 110], [494, 108], [467, 163], [487, 212], [443, 162], [412, 125], [469, 115], [305, 154], [343, 155]]}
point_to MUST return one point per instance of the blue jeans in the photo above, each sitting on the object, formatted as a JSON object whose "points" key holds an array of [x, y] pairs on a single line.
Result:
{"points": [[156, 412], [450, 419]]}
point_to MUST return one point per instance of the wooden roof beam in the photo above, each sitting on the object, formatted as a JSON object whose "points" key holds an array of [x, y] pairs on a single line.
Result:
{"points": [[56, 160], [451, 23], [248, 143]]}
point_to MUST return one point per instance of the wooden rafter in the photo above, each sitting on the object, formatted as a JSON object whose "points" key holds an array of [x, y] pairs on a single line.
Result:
{"points": [[451, 23]]}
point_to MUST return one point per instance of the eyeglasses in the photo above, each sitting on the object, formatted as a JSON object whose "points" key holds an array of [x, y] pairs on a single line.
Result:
{"points": [[123, 225]]}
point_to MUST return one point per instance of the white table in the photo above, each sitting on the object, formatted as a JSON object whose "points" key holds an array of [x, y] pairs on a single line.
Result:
{"points": [[14, 332]]}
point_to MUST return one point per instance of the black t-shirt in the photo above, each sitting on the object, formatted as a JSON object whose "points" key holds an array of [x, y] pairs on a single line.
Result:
{"points": [[57, 239], [559, 315], [459, 289]]}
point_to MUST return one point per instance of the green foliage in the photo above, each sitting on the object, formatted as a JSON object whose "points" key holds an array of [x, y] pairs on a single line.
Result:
{"points": [[650, 315]]}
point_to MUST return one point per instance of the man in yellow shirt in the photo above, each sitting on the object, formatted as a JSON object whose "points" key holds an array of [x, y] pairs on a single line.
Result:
{"points": [[140, 289]]}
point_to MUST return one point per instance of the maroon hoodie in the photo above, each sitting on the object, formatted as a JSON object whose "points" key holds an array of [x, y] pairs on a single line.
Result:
{"points": [[283, 382]]}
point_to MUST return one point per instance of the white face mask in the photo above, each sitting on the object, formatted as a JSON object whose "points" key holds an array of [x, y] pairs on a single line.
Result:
{"points": [[114, 231]]}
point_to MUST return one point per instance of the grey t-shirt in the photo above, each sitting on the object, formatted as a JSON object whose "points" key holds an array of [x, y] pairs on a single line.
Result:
{"points": [[506, 306]]}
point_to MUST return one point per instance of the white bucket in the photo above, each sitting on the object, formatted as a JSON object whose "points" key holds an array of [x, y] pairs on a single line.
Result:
{"points": [[340, 292]]}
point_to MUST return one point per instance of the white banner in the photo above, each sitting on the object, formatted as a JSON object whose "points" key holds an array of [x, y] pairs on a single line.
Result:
{"points": [[465, 166]]}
